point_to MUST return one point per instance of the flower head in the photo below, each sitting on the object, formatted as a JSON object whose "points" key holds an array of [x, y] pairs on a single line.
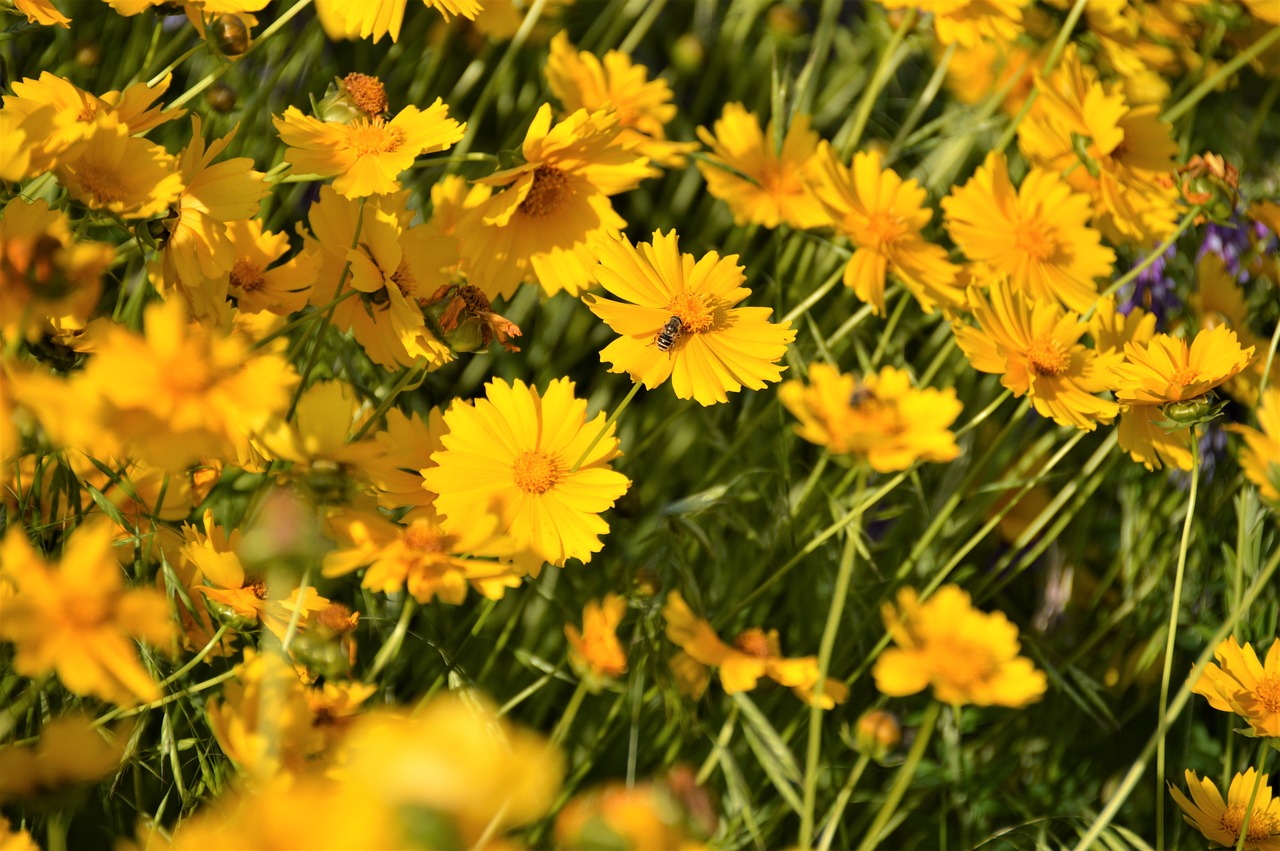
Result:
{"points": [[594, 650], [1260, 458], [967, 22], [968, 657], [881, 417], [255, 283], [114, 171], [718, 347], [1221, 821], [1168, 370], [1241, 684], [362, 19], [70, 752]]}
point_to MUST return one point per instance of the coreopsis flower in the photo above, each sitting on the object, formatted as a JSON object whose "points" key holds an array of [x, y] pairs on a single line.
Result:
{"points": [[1241, 684], [70, 753], [770, 187], [367, 154], [41, 12], [44, 271], [1112, 330], [513, 453], [244, 600], [967, 656], [967, 22], [581, 81], [718, 347], [113, 171], [257, 285], [1260, 458], [422, 557], [554, 207], [1221, 821], [352, 19], [977, 70], [395, 268], [404, 449], [1037, 234], [594, 650], [1034, 346], [77, 619], [882, 215], [670, 813], [753, 654], [196, 251], [1220, 300], [1167, 371], [881, 417]]}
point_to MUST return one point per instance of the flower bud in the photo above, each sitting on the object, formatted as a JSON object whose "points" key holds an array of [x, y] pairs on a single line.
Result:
{"points": [[877, 734], [786, 23], [688, 53], [221, 97], [230, 35]]}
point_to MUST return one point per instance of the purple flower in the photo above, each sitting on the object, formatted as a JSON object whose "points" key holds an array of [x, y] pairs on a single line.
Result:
{"points": [[1152, 290]]}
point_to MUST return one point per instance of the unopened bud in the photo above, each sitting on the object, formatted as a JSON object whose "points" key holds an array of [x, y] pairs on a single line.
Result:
{"points": [[878, 733], [230, 35]]}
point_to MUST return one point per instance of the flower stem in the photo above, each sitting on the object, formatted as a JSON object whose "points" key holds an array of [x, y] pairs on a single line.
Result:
{"points": [[842, 801], [1228, 68], [903, 779], [879, 77], [1159, 251], [843, 576], [391, 647], [199, 657], [1253, 795], [622, 406], [1173, 629], [401, 385], [570, 711]]}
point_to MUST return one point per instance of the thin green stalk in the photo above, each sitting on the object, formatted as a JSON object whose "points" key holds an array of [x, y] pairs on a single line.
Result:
{"points": [[1227, 68], [391, 648], [1055, 53], [158, 78], [1263, 751], [296, 618], [903, 778], [1266, 367], [570, 712], [197, 659], [842, 801], [622, 406], [1173, 632], [922, 103], [890, 327], [401, 386], [844, 575], [879, 77], [1151, 258], [19, 707]]}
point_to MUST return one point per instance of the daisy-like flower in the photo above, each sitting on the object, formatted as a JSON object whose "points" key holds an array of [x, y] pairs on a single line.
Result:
{"points": [[581, 81], [967, 656], [1220, 300], [543, 224], [1260, 459], [258, 286], [422, 557], [594, 650], [404, 449], [882, 215], [718, 348], [358, 19], [115, 171], [775, 189], [754, 654], [881, 417], [42, 12], [75, 618], [513, 453], [243, 599], [1034, 346], [1221, 821], [1112, 330], [1167, 371], [367, 154], [967, 22], [1241, 684], [1038, 234], [978, 70]]}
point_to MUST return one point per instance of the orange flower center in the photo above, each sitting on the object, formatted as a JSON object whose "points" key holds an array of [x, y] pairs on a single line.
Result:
{"points": [[373, 137], [550, 185], [257, 587], [367, 93], [753, 642], [536, 472], [885, 228], [1186, 375], [1261, 823], [1030, 237], [962, 662], [1267, 692], [1048, 356], [102, 184], [246, 276], [694, 311], [424, 538], [403, 278]]}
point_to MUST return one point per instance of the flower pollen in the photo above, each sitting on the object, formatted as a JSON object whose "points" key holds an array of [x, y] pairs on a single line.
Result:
{"points": [[246, 276], [753, 642], [403, 278], [1030, 238], [102, 184], [1261, 824], [423, 538], [367, 93], [550, 185], [693, 311], [885, 228], [1267, 692], [373, 137], [1048, 356], [536, 471], [1186, 375]]}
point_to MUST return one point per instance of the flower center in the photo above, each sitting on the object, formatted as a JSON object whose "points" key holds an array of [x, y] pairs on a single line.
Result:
{"points": [[1267, 692], [367, 93], [246, 276], [373, 137], [102, 184], [693, 311], [1048, 356], [477, 302], [257, 587], [424, 538], [403, 278], [1261, 824], [550, 185], [1186, 375], [962, 662], [885, 228], [536, 472], [753, 642], [1031, 238]]}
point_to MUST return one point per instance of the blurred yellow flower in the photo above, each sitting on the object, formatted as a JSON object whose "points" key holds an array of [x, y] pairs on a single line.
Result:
{"points": [[12, 839], [1260, 458], [254, 283], [968, 21], [365, 19], [1112, 330], [368, 154], [513, 452], [1220, 821], [881, 417], [70, 752], [754, 654], [542, 226], [404, 449], [882, 215], [75, 617], [42, 12], [117, 172], [718, 347], [1220, 300], [1034, 346], [978, 70], [655, 815], [581, 81], [770, 187], [1245, 686], [595, 651], [316, 440], [967, 656]]}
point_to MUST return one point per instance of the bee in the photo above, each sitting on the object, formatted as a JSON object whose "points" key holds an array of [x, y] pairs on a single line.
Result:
{"points": [[861, 394], [666, 338]]}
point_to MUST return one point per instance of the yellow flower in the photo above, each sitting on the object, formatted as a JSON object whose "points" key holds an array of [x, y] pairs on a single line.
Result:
{"points": [[258, 286], [543, 224], [595, 651], [581, 81], [316, 441], [979, 69], [42, 12], [422, 556], [968, 657], [1260, 458], [882, 215], [70, 752], [754, 654], [1220, 821], [657, 814], [1245, 686], [1112, 330], [881, 417], [968, 21], [368, 154], [1034, 346], [774, 187], [395, 268], [1220, 300], [404, 449], [718, 348], [15, 839], [363, 19], [76, 618], [513, 452], [113, 170], [1037, 235]]}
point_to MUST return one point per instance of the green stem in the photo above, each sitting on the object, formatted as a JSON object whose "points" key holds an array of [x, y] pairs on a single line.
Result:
{"points": [[903, 779], [1055, 53], [879, 77], [1159, 251], [302, 320], [199, 657], [1173, 631], [570, 712], [923, 102], [842, 801], [158, 78], [296, 618], [1253, 795], [1271, 356], [1228, 68], [401, 385], [608, 424], [391, 648]]}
